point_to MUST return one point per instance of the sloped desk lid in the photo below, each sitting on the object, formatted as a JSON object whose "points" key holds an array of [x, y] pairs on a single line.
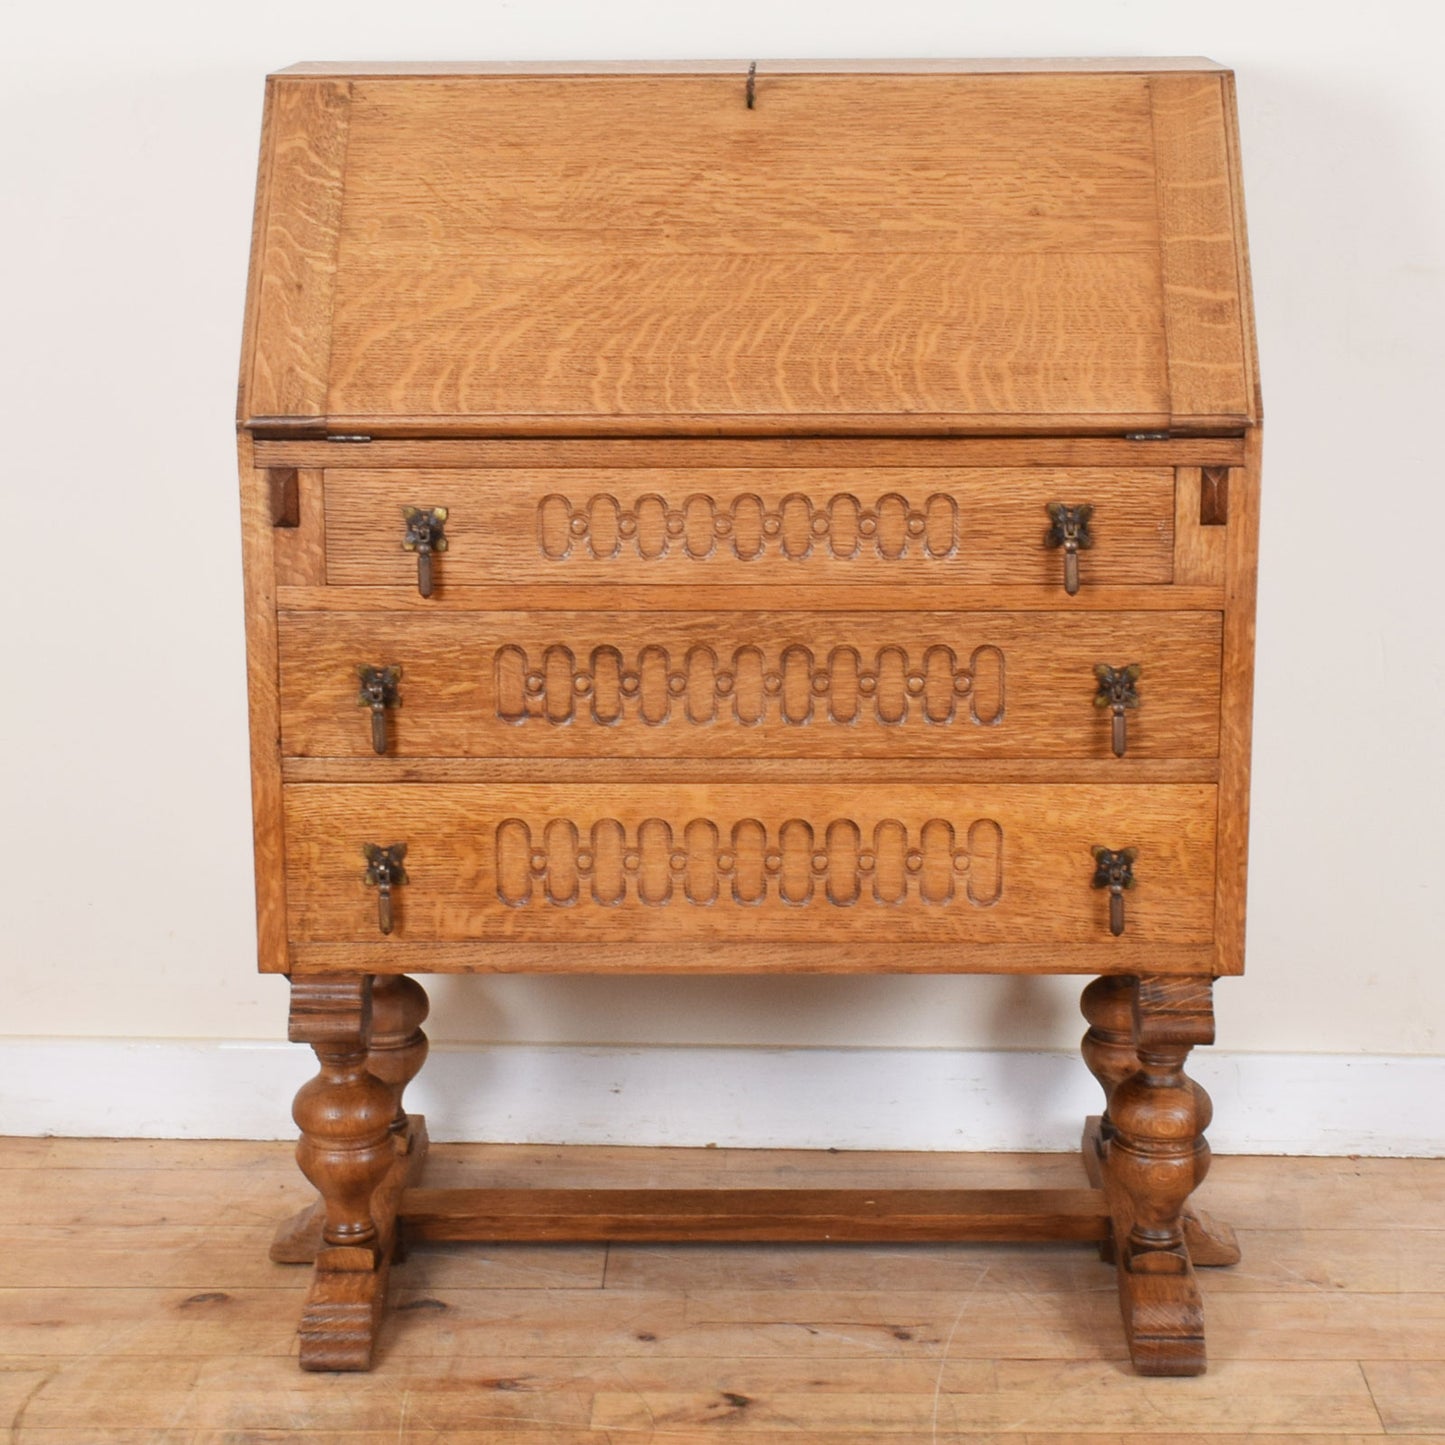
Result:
{"points": [[454, 251]]}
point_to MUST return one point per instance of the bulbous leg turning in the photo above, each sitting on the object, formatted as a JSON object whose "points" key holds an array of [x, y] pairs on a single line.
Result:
{"points": [[1149, 1153], [358, 1148]]}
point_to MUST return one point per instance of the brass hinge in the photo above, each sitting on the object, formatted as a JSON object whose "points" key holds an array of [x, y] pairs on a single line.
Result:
{"points": [[1146, 436]]}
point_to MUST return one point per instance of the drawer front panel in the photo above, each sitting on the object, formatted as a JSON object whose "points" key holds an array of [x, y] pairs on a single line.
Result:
{"points": [[550, 863], [750, 525], [749, 684]]}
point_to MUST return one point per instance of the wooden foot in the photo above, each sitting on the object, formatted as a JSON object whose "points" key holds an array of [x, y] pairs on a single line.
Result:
{"points": [[297, 1239], [353, 1151], [1211, 1242], [342, 1318], [1148, 1151]]}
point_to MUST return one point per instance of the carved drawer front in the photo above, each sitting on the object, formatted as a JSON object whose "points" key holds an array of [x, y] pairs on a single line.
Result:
{"points": [[749, 525], [609, 862], [777, 684]]}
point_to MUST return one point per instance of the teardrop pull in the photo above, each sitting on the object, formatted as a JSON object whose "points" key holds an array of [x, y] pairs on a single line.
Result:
{"points": [[1119, 692], [378, 692], [1115, 871], [384, 872], [1069, 529], [425, 535]]}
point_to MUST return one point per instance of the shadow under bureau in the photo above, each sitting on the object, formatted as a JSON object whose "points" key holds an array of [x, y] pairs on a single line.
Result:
{"points": [[750, 519]]}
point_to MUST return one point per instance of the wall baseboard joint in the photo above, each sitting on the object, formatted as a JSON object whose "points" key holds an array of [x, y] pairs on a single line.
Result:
{"points": [[764, 1098]]}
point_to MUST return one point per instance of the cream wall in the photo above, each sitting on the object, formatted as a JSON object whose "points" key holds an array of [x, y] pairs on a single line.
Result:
{"points": [[128, 163]]}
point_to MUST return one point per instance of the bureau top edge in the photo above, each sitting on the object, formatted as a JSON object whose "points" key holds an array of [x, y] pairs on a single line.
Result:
{"points": [[796, 250], [875, 65], [708, 428]]}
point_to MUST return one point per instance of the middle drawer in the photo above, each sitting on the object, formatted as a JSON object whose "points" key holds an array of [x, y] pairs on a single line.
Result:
{"points": [[755, 683]]}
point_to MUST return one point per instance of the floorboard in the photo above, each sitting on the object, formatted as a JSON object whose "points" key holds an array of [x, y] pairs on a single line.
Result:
{"points": [[137, 1306]]}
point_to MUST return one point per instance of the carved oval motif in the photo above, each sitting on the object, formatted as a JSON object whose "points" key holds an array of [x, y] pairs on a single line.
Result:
{"points": [[748, 687], [985, 863], [797, 526], [697, 862], [509, 676], [609, 877], [554, 527], [514, 862]]}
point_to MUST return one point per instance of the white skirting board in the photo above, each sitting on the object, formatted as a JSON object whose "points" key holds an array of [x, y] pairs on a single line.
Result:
{"points": [[760, 1098]]}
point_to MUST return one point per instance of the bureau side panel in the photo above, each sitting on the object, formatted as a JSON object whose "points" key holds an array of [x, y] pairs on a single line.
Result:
{"points": [[1210, 382], [263, 692], [293, 277], [1237, 705]]}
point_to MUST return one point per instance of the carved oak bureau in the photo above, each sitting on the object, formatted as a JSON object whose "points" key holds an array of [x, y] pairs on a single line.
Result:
{"points": [[750, 519]]}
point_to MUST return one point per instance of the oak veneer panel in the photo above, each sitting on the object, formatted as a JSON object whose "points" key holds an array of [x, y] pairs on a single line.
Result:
{"points": [[633, 166], [263, 701], [635, 246], [752, 957], [800, 451], [751, 684], [1237, 712], [1008, 863], [368, 768], [751, 525], [293, 275], [753, 1215], [1210, 365]]}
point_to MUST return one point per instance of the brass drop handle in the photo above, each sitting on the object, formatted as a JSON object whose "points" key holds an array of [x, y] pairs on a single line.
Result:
{"points": [[1115, 871], [378, 692], [384, 871], [1119, 692], [1069, 529], [425, 535]]}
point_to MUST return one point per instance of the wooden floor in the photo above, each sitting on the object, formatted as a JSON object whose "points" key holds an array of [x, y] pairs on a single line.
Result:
{"points": [[137, 1304]]}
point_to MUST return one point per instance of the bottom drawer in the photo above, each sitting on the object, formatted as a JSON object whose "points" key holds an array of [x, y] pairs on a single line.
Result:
{"points": [[881, 863]]}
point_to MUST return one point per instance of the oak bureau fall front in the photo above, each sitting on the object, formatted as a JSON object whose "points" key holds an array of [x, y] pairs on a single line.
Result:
{"points": [[750, 518]]}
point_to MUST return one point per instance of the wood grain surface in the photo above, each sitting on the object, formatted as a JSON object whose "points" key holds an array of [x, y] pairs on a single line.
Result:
{"points": [[264, 711], [137, 1307], [288, 346], [751, 685], [681, 1215], [637, 246], [917, 249], [1210, 363], [651, 526], [799, 862], [881, 450], [1237, 715]]}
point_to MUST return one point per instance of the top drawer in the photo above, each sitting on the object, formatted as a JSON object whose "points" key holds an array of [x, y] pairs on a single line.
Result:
{"points": [[818, 526]]}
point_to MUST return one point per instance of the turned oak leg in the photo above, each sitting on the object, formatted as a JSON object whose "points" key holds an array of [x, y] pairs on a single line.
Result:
{"points": [[345, 1112], [1108, 1048], [1151, 1161], [398, 1046], [397, 1050], [349, 1151], [399, 1007]]}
